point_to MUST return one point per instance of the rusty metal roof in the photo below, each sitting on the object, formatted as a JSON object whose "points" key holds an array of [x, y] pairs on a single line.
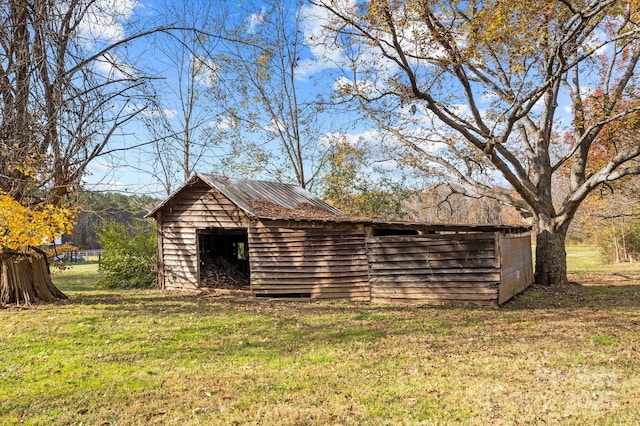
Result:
{"points": [[242, 191]]}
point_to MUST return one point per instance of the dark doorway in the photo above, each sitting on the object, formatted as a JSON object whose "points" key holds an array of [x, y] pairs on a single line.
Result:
{"points": [[384, 232], [224, 258]]}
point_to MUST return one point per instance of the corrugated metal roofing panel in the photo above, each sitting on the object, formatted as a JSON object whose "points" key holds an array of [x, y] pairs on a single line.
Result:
{"points": [[242, 191]]}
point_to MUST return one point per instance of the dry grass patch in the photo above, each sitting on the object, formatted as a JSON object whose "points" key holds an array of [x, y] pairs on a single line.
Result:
{"points": [[556, 356]]}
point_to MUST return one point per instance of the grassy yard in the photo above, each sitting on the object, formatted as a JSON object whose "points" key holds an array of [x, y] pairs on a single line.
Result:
{"points": [[551, 356]]}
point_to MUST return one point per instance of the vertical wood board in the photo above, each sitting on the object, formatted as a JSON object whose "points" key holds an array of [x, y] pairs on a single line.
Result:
{"points": [[516, 266]]}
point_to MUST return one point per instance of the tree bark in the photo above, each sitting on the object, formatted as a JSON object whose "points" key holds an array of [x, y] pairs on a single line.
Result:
{"points": [[26, 279], [551, 256]]}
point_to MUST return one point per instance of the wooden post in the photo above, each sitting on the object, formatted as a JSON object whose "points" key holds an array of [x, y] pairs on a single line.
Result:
{"points": [[160, 253]]}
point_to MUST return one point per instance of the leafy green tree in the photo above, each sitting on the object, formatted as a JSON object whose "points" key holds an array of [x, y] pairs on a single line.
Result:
{"points": [[348, 186], [619, 240], [129, 257], [611, 219]]}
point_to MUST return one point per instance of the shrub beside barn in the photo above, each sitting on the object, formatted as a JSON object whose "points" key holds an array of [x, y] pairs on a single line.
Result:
{"points": [[280, 241]]}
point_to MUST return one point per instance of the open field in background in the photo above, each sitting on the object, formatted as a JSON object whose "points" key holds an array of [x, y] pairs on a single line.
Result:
{"points": [[555, 356]]}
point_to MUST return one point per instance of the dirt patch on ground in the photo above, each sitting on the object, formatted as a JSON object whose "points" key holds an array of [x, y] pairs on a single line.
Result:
{"points": [[622, 278], [594, 290]]}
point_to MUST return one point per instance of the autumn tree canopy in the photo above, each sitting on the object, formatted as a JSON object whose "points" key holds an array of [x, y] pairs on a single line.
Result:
{"points": [[274, 118], [500, 96], [22, 227]]}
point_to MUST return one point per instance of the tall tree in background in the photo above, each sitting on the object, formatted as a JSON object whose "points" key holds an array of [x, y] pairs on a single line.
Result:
{"points": [[348, 184], [271, 116], [180, 121], [482, 92]]}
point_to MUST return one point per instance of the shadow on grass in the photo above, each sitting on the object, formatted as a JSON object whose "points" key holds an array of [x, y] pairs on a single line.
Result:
{"points": [[575, 296], [155, 302], [604, 288], [167, 323]]}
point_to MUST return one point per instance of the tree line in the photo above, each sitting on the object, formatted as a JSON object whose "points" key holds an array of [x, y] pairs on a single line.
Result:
{"points": [[97, 210]]}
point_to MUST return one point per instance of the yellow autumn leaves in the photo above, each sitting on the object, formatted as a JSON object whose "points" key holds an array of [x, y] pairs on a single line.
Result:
{"points": [[22, 227]]}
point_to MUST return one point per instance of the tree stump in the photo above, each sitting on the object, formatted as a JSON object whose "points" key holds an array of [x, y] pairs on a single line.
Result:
{"points": [[25, 278]]}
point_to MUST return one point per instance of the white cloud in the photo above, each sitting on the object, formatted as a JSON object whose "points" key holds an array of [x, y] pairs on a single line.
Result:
{"points": [[206, 69], [224, 122], [100, 167], [308, 67], [167, 113], [255, 20], [111, 66], [170, 113], [276, 126], [104, 20], [316, 27]]}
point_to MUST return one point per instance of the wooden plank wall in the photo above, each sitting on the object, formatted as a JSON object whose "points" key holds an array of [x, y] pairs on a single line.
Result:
{"points": [[324, 261], [517, 265], [439, 268], [196, 207]]}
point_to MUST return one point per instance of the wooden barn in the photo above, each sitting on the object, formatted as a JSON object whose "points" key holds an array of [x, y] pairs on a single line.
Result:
{"points": [[278, 240]]}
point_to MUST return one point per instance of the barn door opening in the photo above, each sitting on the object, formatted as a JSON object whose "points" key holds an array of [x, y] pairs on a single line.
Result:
{"points": [[224, 258]]}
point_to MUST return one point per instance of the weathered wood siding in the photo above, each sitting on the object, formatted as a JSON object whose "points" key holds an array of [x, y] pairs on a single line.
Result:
{"points": [[196, 207], [325, 261], [342, 260], [516, 265], [439, 268]]}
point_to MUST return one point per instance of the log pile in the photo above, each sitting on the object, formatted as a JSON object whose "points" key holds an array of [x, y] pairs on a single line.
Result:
{"points": [[25, 279], [220, 273]]}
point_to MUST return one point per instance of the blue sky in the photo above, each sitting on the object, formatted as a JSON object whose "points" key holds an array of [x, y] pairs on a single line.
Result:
{"points": [[129, 171], [317, 71]]}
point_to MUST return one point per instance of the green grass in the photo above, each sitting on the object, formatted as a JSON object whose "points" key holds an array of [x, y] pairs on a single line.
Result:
{"points": [[588, 259], [77, 277], [139, 357]]}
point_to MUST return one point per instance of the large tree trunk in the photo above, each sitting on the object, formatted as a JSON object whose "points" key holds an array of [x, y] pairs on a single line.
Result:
{"points": [[551, 257], [25, 279]]}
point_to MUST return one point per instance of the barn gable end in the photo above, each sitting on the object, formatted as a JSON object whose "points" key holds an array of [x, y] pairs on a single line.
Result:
{"points": [[195, 207]]}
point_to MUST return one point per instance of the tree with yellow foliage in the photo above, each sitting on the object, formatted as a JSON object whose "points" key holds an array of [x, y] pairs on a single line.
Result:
{"points": [[24, 276], [22, 227], [348, 186], [487, 93], [59, 110]]}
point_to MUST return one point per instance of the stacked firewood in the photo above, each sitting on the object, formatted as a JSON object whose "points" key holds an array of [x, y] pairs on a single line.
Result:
{"points": [[220, 273]]}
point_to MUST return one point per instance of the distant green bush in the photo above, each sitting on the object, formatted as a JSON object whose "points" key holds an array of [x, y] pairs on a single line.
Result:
{"points": [[128, 259], [576, 239]]}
